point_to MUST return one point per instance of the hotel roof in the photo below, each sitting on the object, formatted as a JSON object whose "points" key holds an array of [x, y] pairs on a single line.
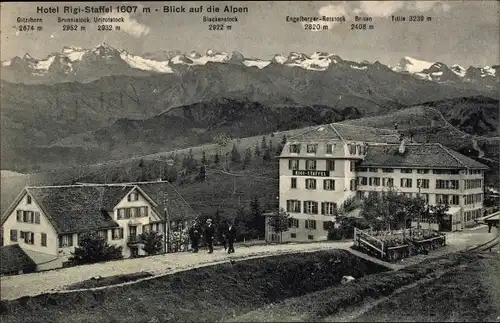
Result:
{"points": [[428, 155], [345, 132]]}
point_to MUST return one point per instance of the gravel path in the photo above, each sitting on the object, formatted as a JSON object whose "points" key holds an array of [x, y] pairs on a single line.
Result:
{"points": [[13, 287]]}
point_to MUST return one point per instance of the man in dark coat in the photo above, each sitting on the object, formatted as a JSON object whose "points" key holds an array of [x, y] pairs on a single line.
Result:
{"points": [[194, 236], [230, 236], [209, 235]]}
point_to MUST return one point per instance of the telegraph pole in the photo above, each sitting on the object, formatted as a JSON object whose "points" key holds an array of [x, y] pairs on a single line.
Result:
{"points": [[167, 224]]}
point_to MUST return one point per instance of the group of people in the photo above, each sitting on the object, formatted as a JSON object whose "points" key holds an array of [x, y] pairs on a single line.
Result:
{"points": [[208, 233]]}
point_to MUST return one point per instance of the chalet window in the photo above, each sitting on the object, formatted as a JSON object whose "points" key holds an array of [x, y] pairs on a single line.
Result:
{"points": [[144, 211], [146, 228], [295, 148], [310, 183], [293, 183], [133, 212], [352, 149], [293, 206], [133, 197], [329, 185], [310, 164], [127, 213], [312, 148], [311, 224], [310, 207], [405, 182], [293, 164], [330, 164], [44, 239], [28, 237], [121, 214], [25, 216], [293, 223], [65, 240], [28, 199], [13, 235], [329, 148], [328, 208], [117, 234]]}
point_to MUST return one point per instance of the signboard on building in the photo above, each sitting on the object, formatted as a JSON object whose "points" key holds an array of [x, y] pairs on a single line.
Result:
{"points": [[319, 173]]}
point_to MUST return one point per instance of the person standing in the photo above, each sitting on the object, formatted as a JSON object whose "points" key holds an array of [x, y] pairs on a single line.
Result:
{"points": [[194, 235], [230, 236], [209, 235]]}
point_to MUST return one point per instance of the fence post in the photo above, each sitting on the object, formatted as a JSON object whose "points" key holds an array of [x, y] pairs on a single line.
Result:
{"points": [[355, 237], [382, 249]]}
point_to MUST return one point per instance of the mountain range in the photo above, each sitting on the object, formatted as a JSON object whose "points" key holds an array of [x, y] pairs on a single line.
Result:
{"points": [[85, 65]]}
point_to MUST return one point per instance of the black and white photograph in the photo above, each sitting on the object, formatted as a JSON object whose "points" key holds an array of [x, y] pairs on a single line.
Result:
{"points": [[250, 161]]}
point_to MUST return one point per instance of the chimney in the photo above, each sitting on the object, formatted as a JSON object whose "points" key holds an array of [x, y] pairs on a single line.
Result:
{"points": [[402, 146]]}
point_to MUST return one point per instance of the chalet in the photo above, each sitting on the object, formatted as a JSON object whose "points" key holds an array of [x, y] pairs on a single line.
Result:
{"points": [[46, 221]]}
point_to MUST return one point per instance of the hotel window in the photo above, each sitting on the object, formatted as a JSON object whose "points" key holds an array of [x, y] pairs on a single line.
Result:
{"points": [[117, 234], [293, 164], [330, 164], [352, 185], [406, 170], [447, 184], [293, 235], [328, 208], [293, 206], [388, 170], [293, 223], [387, 181], [446, 171], [422, 183], [375, 181], [405, 182], [329, 148], [359, 149], [425, 197], [422, 171], [44, 239], [454, 200], [312, 148], [293, 183], [28, 237], [295, 148], [363, 180], [28, 199], [441, 198], [311, 224], [329, 184], [65, 240], [310, 207], [362, 169], [353, 166], [13, 235], [144, 211], [352, 149], [310, 183], [373, 170], [310, 164], [133, 197]]}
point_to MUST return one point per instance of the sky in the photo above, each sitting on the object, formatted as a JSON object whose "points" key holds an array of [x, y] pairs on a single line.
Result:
{"points": [[460, 32]]}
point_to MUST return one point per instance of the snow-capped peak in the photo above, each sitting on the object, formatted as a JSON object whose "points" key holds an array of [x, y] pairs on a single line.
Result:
{"points": [[279, 58], [70, 49], [458, 70], [27, 56], [145, 64], [411, 65]]}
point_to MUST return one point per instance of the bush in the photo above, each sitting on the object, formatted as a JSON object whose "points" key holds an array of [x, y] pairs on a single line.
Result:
{"points": [[335, 234], [93, 248]]}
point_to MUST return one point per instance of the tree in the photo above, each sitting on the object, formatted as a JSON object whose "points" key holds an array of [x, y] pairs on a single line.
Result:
{"points": [[202, 175], [93, 248], [264, 143], [267, 155], [153, 242], [279, 222], [279, 149], [216, 158], [248, 157], [439, 212], [235, 155], [283, 140], [222, 139], [204, 159], [257, 149], [257, 219]]}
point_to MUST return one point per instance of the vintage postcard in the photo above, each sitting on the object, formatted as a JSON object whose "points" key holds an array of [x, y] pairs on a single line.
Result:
{"points": [[216, 161]]}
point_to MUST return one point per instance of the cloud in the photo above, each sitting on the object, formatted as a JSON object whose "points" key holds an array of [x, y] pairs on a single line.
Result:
{"points": [[378, 8], [130, 25]]}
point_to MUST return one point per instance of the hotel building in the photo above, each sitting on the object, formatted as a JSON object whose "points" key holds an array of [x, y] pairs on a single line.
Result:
{"points": [[325, 165]]}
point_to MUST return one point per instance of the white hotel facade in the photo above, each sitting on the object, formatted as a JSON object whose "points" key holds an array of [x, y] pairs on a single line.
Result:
{"points": [[324, 166]]}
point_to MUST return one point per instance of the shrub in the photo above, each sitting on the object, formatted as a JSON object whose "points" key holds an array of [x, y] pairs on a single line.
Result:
{"points": [[93, 248]]}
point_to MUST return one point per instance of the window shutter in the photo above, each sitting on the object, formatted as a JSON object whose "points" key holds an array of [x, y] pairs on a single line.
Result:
{"points": [[32, 237], [37, 217], [19, 215], [323, 208]]}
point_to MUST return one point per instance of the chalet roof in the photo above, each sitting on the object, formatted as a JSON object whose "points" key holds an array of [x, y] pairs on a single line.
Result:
{"points": [[417, 155], [13, 258], [86, 207], [346, 132]]}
